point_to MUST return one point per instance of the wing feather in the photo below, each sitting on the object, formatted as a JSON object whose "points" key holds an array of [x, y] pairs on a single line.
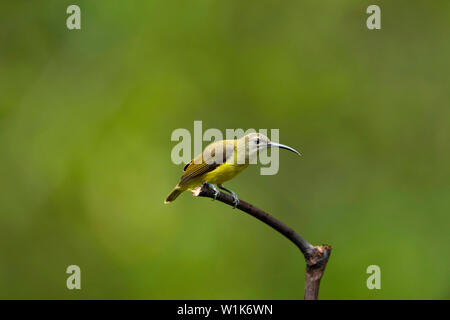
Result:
{"points": [[207, 161]]}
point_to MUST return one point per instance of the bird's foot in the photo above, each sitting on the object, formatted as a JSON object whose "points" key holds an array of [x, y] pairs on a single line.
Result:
{"points": [[235, 199], [233, 194], [216, 191]]}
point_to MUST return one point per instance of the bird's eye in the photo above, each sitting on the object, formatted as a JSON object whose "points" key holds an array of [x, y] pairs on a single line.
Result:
{"points": [[257, 141]]}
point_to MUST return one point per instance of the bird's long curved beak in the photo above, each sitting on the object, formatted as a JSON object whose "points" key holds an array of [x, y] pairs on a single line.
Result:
{"points": [[282, 146]]}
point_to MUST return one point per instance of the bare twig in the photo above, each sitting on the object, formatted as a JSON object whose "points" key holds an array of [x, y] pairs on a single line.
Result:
{"points": [[316, 257]]}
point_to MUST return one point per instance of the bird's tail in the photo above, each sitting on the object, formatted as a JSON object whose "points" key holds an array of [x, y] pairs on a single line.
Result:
{"points": [[174, 194]]}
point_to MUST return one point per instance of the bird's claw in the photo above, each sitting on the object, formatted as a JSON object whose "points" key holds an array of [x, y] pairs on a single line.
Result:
{"points": [[216, 191], [233, 195], [235, 200]]}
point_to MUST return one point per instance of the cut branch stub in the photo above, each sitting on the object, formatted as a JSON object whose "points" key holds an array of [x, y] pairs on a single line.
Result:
{"points": [[316, 257]]}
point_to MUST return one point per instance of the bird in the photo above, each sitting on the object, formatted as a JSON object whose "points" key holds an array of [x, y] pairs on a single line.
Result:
{"points": [[221, 161]]}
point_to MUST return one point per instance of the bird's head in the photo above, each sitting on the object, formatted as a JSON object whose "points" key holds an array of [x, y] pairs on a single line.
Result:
{"points": [[255, 142]]}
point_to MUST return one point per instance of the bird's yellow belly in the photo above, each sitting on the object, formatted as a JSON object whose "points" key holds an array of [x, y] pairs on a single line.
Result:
{"points": [[223, 173]]}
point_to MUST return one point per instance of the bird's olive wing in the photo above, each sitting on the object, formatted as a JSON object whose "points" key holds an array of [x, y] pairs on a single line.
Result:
{"points": [[205, 162]]}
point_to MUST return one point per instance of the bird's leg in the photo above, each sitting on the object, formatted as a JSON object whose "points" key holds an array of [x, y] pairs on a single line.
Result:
{"points": [[233, 194], [216, 191]]}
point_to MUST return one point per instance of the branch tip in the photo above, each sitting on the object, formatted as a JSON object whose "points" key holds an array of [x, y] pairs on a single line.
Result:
{"points": [[316, 257]]}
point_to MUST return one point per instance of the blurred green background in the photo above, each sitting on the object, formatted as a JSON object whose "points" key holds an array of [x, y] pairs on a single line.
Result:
{"points": [[85, 124]]}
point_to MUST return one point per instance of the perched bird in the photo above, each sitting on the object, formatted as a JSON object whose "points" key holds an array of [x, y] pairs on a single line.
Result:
{"points": [[222, 161]]}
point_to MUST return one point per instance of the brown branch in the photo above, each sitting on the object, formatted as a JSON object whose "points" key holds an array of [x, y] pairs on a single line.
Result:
{"points": [[316, 257]]}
